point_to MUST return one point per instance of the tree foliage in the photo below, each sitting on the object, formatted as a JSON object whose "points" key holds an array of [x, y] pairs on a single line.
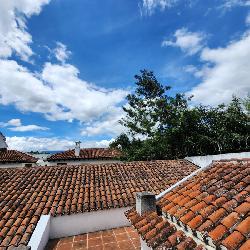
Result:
{"points": [[161, 126]]}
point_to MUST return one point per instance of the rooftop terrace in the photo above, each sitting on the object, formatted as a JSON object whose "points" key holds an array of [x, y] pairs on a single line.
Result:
{"points": [[113, 239]]}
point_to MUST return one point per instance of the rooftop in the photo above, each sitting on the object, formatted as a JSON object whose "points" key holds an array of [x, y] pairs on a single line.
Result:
{"points": [[16, 156], [85, 154], [118, 238], [209, 210], [28, 193]]}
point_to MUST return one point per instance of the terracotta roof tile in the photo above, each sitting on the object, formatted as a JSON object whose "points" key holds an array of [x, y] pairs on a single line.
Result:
{"points": [[28, 193], [9, 156], [86, 154], [245, 246], [161, 234], [233, 241], [214, 205], [244, 227], [243, 209], [218, 233]]}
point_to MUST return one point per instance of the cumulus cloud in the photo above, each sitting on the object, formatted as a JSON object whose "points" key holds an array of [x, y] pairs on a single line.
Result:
{"points": [[61, 52], [46, 144], [14, 122], [107, 126], [14, 37], [227, 73], [189, 42], [57, 92], [16, 125], [149, 6]]}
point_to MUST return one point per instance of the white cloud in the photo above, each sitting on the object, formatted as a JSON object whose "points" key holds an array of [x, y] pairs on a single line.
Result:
{"points": [[227, 74], [57, 92], [14, 122], [45, 144], [13, 31], [107, 126], [61, 52], [26, 128], [187, 41], [248, 19], [228, 4], [16, 125], [150, 5]]}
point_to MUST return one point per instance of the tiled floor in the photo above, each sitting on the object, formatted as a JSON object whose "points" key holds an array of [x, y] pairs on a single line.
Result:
{"points": [[124, 238]]}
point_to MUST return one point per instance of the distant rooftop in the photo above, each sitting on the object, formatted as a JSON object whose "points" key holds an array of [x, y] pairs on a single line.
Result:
{"points": [[11, 156], [86, 154]]}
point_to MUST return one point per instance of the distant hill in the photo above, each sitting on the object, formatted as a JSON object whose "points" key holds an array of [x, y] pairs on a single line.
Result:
{"points": [[45, 152]]}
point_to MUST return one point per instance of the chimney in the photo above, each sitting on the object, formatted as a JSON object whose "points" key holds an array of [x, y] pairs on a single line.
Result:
{"points": [[77, 148], [145, 202]]}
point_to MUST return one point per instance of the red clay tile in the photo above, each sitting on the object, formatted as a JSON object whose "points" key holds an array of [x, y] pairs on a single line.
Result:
{"points": [[243, 208], [245, 246], [195, 222], [187, 217], [86, 153], [244, 227], [30, 192], [217, 215], [231, 220], [233, 241], [16, 156], [230, 205], [218, 233]]}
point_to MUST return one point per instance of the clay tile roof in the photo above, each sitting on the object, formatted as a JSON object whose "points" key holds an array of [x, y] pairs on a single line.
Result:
{"points": [[7, 156], [159, 233], [27, 193], [214, 206], [86, 154]]}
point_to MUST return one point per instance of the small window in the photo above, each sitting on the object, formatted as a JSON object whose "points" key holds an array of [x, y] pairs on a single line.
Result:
{"points": [[61, 163], [28, 165]]}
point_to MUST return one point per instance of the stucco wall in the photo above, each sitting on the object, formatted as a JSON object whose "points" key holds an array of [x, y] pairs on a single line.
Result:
{"points": [[144, 245], [203, 161], [15, 165], [67, 225], [40, 236]]}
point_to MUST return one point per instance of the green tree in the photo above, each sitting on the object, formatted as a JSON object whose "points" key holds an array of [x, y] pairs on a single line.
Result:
{"points": [[161, 126]]}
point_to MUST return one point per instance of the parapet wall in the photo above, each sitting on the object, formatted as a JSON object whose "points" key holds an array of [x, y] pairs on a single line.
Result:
{"points": [[203, 161]]}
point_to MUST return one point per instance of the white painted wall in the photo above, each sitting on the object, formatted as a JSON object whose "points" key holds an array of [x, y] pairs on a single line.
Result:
{"points": [[15, 165], [203, 161], [144, 245], [68, 225], [81, 162], [40, 236]]}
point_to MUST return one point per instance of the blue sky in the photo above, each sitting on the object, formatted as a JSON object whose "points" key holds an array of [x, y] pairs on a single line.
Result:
{"points": [[66, 66]]}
